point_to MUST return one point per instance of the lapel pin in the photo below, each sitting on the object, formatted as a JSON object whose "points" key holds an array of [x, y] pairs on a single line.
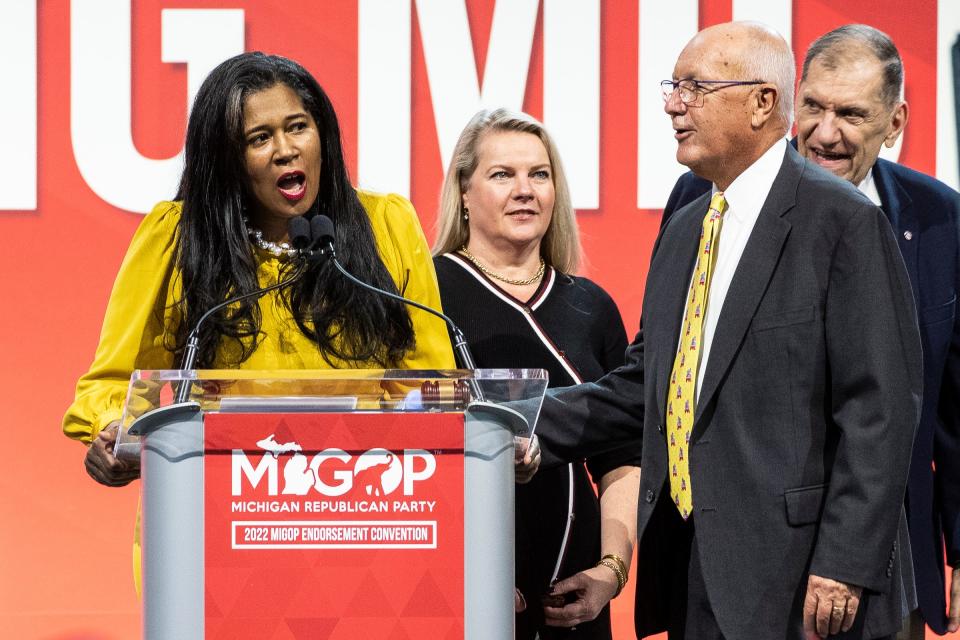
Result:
{"points": [[908, 235]]}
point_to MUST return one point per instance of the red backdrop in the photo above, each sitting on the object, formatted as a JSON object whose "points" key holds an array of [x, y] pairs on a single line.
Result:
{"points": [[65, 541]]}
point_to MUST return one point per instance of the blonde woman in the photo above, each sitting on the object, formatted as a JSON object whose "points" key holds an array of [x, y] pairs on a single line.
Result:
{"points": [[507, 249]]}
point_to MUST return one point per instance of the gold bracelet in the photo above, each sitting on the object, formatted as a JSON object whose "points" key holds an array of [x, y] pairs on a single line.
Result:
{"points": [[615, 564], [619, 561], [621, 579]]}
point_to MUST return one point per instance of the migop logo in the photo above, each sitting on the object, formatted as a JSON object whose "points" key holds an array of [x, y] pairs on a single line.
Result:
{"points": [[331, 472]]}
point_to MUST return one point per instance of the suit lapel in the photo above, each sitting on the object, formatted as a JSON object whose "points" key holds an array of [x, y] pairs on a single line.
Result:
{"points": [[756, 267], [898, 206], [669, 284]]}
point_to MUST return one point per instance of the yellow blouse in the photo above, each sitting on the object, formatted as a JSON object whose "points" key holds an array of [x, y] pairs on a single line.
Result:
{"points": [[141, 311]]}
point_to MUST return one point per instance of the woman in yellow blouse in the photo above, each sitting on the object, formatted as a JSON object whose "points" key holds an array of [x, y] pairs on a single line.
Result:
{"points": [[263, 146]]}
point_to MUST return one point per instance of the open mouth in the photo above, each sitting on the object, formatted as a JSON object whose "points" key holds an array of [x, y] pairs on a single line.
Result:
{"points": [[682, 134], [827, 156], [523, 214], [292, 185]]}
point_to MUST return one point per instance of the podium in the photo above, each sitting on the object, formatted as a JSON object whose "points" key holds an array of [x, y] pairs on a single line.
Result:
{"points": [[328, 504]]}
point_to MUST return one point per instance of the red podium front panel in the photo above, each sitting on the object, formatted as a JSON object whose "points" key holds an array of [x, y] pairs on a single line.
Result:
{"points": [[334, 525]]}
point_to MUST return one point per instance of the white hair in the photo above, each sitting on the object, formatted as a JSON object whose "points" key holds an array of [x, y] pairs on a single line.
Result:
{"points": [[772, 61]]}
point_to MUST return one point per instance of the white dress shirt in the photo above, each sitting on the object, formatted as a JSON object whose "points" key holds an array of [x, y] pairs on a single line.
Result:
{"points": [[869, 188], [745, 197]]}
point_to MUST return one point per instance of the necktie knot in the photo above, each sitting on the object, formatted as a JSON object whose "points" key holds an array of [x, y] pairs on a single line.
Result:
{"points": [[718, 206]]}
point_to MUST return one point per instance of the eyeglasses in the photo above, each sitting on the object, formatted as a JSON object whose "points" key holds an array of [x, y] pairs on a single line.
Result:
{"points": [[692, 91]]}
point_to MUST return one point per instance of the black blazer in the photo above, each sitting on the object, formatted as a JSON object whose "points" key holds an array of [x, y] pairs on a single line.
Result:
{"points": [[800, 447], [925, 216]]}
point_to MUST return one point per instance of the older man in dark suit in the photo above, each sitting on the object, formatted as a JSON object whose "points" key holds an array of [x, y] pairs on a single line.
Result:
{"points": [[775, 383], [850, 104]]}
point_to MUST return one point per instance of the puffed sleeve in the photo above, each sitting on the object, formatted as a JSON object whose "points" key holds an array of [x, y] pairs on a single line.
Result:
{"points": [[133, 327], [406, 255]]}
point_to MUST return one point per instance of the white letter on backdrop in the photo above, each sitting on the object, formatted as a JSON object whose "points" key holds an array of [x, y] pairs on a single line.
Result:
{"points": [[451, 65], [100, 119], [571, 82], [571, 92], [777, 14], [383, 95], [18, 108], [201, 39], [665, 28]]}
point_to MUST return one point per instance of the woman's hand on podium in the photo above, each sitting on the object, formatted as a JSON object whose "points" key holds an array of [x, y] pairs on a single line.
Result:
{"points": [[103, 466], [519, 602], [526, 459]]}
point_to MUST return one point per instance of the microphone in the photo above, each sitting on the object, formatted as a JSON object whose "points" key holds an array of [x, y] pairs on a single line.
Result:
{"points": [[321, 227], [315, 241], [298, 230], [321, 230]]}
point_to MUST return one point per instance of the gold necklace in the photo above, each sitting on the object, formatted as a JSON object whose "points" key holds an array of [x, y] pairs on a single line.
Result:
{"points": [[519, 283]]}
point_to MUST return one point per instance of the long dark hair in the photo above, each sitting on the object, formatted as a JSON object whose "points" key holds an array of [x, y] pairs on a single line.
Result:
{"points": [[216, 260]]}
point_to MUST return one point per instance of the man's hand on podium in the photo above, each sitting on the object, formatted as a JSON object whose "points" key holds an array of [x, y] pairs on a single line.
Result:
{"points": [[103, 466], [526, 458]]}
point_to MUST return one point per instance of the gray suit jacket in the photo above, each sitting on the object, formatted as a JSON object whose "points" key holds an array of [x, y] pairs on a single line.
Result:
{"points": [[925, 216], [801, 441]]}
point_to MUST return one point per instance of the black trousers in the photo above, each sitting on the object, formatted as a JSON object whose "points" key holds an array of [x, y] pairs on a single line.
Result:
{"points": [[691, 616]]}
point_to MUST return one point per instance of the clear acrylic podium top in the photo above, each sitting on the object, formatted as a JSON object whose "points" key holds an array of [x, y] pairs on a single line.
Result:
{"points": [[330, 390]]}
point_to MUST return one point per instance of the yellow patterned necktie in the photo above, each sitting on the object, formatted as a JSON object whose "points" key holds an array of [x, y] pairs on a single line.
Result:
{"points": [[681, 394]]}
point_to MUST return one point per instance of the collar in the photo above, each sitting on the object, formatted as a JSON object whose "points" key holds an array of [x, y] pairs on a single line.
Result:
{"points": [[747, 193], [869, 187]]}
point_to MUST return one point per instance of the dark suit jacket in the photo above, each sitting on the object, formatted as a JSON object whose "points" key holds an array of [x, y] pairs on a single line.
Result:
{"points": [[925, 216], [800, 447]]}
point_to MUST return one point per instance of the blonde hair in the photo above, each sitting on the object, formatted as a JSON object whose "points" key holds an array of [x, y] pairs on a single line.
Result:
{"points": [[560, 246]]}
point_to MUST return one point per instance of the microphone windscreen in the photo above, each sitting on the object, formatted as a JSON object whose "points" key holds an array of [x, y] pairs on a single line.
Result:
{"points": [[321, 228], [299, 231]]}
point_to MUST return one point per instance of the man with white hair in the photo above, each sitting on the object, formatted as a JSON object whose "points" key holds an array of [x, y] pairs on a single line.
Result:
{"points": [[775, 382], [850, 104]]}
